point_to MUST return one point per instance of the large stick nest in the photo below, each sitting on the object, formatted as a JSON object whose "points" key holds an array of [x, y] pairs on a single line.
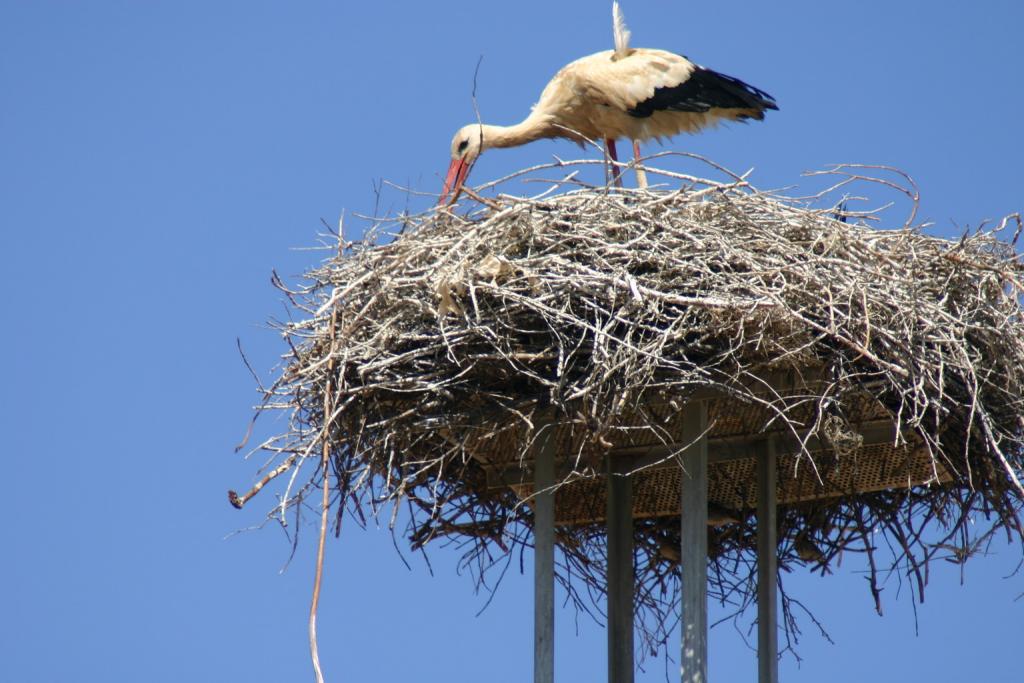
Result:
{"points": [[584, 305]]}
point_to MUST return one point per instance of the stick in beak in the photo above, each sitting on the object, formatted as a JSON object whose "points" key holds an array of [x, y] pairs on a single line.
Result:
{"points": [[457, 172]]}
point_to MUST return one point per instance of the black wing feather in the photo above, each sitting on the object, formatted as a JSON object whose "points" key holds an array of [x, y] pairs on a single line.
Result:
{"points": [[704, 90]]}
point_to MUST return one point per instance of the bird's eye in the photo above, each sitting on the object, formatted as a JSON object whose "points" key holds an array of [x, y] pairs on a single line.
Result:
{"points": [[463, 145]]}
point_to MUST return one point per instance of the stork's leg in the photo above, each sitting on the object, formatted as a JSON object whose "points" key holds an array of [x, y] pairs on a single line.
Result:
{"points": [[609, 144], [641, 175]]}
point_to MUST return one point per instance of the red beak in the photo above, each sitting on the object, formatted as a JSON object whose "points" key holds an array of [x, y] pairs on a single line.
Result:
{"points": [[457, 172]]}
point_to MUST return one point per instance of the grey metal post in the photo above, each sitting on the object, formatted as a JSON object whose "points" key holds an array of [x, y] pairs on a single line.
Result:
{"points": [[767, 566], [544, 556], [694, 551], [620, 578]]}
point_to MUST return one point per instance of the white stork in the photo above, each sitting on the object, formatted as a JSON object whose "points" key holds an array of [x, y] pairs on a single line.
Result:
{"points": [[633, 93]]}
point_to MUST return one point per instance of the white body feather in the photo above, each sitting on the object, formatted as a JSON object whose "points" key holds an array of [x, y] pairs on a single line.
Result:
{"points": [[620, 32]]}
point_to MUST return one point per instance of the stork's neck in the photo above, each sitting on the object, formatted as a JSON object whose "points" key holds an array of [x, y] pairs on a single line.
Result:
{"points": [[534, 127]]}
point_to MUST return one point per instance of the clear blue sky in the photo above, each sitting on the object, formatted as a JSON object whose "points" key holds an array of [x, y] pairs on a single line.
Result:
{"points": [[158, 159]]}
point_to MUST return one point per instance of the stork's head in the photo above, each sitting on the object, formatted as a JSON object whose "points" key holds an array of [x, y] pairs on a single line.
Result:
{"points": [[467, 144]]}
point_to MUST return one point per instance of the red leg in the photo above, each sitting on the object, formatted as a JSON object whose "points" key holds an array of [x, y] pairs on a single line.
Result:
{"points": [[609, 144], [641, 176]]}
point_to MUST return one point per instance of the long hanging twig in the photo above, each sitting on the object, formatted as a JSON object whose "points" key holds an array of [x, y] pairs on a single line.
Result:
{"points": [[325, 502]]}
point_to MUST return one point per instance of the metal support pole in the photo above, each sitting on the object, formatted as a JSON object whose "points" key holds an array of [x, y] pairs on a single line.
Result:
{"points": [[694, 551], [767, 566], [620, 578], [544, 557]]}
